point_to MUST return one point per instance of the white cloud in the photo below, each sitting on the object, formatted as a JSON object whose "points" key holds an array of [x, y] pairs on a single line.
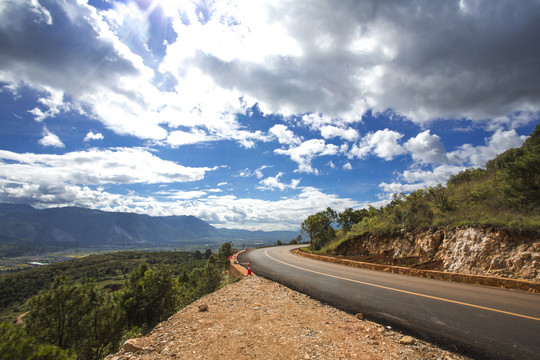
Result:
{"points": [[426, 148], [179, 138], [284, 135], [288, 59], [91, 136], [348, 134], [181, 195], [222, 211], [383, 143], [95, 167], [54, 104], [304, 153], [317, 121], [477, 156], [272, 183], [257, 172], [80, 58], [50, 139], [367, 55], [347, 166]]}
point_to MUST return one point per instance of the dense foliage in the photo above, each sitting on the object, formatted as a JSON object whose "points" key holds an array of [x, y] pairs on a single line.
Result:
{"points": [[77, 318], [106, 269], [506, 193]]}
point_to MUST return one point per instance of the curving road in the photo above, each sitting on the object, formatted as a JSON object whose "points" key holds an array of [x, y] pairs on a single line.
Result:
{"points": [[477, 321]]}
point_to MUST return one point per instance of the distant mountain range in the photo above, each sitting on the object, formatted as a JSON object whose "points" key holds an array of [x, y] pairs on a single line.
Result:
{"points": [[25, 230]]}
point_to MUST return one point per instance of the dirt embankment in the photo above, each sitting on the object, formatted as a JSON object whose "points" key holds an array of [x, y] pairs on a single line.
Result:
{"points": [[259, 319], [468, 250]]}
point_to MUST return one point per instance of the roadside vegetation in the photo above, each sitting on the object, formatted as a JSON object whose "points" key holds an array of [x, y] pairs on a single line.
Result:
{"points": [[506, 193], [75, 315]]}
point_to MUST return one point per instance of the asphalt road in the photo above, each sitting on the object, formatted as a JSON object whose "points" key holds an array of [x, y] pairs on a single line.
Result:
{"points": [[477, 321]]}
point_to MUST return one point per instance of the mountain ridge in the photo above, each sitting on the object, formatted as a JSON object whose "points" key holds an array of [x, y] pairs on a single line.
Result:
{"points": [[23, 227]]}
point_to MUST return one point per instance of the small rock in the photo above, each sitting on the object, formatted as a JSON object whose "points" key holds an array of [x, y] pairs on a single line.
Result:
{"points": [[407, 340], [131, 346], [360, 316], [203, 307], [525, 255]]}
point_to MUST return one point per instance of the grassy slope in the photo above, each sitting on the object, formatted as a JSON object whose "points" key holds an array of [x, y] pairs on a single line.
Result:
{"points": [[506, 194]]}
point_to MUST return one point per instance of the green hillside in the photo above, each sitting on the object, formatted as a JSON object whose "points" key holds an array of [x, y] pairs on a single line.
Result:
{"points": [[71, 311], [506, 193], [106, 269]]}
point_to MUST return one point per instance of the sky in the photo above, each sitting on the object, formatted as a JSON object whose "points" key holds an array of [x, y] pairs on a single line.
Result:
{"points": [[256, 114]]}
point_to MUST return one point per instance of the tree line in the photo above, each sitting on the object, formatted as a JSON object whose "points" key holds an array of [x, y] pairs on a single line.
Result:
{"points": [[80, 320]]}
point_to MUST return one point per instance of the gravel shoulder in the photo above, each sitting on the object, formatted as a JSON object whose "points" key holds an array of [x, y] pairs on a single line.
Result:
{"points": [[255, 318]]}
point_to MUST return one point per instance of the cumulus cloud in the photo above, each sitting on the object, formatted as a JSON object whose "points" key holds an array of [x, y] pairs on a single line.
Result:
{"points": [[54, 104], [284, 135], [304, 153], [426, 148], [93, 136], [348, 134], [50, 139], [477, 156], [272, 183], [433, 165], [250, 213], [383, 143], [347, 166]]}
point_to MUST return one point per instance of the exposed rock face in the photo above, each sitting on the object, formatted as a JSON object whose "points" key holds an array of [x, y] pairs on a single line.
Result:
{"points": [[469, 250]]}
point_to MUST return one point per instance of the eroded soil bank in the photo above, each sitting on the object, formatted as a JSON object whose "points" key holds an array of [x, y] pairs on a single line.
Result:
{"points": [[482, 251]]}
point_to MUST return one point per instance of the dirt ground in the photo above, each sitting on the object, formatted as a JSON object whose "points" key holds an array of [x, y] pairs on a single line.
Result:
{"points": [[258, 319]]}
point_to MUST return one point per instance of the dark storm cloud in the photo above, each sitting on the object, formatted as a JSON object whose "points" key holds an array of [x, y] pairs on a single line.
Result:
{"points": [[423, 59], [46, 44]]}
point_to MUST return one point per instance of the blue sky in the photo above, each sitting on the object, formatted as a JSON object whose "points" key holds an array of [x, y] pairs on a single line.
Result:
{"points": [[256, 114]]}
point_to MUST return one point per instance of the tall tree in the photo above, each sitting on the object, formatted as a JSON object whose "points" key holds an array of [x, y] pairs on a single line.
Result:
{"points": [[55, 313], [349, 217], [319, 227], [225, 251], [149, 296]]}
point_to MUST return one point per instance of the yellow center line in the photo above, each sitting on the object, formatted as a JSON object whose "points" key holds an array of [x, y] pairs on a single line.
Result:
{"points": [[404, 291]]}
